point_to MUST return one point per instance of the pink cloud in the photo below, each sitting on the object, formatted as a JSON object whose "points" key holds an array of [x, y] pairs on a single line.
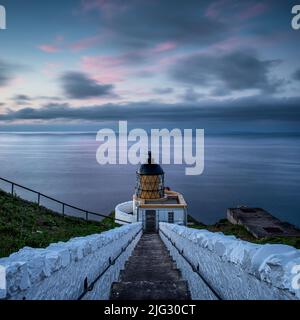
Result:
{"points": [[88, 5], [230, 9], [214, 9], [106, 69], [118, 68], [165, 46], [107, 7], [49, 48], [54, 47], [59, 44], [85, 43], [253, 11]]}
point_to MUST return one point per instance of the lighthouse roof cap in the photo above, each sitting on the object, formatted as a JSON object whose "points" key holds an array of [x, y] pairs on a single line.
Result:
{"points": [[150, 169]]}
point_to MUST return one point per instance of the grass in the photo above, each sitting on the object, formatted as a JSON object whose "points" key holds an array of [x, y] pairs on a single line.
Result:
{"points": [[240, 232], [24, 223]]}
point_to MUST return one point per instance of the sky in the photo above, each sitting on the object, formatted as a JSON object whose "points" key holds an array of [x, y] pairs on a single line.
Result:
{"points": [[218, 65]]}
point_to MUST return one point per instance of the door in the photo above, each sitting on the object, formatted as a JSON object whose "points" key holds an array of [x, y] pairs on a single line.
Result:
{"points": [[150, 223]]}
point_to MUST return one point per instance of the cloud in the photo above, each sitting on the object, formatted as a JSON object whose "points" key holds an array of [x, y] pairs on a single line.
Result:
{"points": [[49, 48], [163, 90], [78, 85], [239, 70], [144, 23], [6, 73], [253, 11], [296, 75], [85, 43], [230, 111], [21, 99], [191, 95], [231, 9]]}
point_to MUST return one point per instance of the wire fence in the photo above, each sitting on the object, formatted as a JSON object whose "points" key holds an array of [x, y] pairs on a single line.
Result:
{"points": [[84, 214]]}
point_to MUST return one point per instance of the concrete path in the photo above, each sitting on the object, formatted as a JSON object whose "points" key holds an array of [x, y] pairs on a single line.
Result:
{"points": [[150, 274]]}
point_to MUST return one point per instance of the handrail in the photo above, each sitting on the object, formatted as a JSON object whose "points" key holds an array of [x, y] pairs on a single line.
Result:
{"points": [[64, 205], [195, 269], [111, 262]]}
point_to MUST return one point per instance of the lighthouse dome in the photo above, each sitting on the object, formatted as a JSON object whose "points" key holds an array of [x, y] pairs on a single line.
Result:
{"points": [[150, 180], [150, 169]]}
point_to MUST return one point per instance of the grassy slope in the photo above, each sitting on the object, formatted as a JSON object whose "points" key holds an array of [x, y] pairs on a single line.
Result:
{"points": [[240, 232], [24, 223]]}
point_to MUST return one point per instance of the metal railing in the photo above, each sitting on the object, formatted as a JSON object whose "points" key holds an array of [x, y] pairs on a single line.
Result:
{"points": [[194, 268], [111, 262], [64, 205]]}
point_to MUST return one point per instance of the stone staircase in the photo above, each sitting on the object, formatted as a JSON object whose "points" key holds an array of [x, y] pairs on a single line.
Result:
{"points": [[150, 274]]}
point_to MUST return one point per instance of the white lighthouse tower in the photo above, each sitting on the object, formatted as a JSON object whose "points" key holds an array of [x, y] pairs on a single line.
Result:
{"points": [[152, 202]]}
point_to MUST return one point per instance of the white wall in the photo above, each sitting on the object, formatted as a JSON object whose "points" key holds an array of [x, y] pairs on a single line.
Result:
{"points": [[123, 211], [162, 215], [236, 269], [59, 271]]}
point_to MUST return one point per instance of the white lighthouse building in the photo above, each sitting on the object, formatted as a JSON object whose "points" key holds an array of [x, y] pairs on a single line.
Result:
{"points": [[152, 202]]}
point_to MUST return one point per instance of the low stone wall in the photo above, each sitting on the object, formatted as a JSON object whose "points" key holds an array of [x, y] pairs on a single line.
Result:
{"points": [[124, 212], [235, 269], [63, 270]]}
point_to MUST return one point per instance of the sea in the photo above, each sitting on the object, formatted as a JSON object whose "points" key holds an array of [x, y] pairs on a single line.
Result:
{"points": [[259, 170]]}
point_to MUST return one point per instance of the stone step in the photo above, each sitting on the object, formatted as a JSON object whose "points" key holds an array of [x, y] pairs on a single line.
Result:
{"points": [[146, 265], [150, 274], [150, 253], [154, 260], [150, 250], [150, 290]]}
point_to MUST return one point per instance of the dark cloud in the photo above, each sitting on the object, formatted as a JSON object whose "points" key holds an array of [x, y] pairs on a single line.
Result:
{"points": [[22, 99], [78, 85], [226, 73], [246, 109], [143, 23], [190, 95], [163, 90], [52, 98], [6, 73], [296, 75]]}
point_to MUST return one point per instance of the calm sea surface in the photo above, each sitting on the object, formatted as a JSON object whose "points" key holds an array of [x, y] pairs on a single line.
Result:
{"points": [[262, 171]]}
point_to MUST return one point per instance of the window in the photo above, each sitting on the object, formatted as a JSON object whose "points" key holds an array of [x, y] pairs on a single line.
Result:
{"points": [[171, 217]]}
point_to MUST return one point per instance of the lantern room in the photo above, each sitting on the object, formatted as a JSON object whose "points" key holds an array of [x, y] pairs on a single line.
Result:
{"points": [[150, 180]]}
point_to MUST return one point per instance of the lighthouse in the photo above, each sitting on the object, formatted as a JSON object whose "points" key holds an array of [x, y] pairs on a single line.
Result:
{"points": [[152, 202]]}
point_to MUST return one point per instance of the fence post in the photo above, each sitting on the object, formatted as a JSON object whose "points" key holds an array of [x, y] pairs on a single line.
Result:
{"points": [[86, 216], [63, 209], [39, 199], [12, 188]]}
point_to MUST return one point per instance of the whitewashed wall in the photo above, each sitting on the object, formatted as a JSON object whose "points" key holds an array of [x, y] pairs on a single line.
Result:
{"points": [[236, 269], [123, 211], [162, 215], [60, 271]]}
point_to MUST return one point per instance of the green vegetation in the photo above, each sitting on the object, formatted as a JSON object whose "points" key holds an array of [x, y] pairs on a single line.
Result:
{"points": [[23, 223], [240, 232]]}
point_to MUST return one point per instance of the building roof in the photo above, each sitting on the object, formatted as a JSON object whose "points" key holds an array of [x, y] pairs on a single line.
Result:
{"points": [[172, 199], [150, 168]]}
